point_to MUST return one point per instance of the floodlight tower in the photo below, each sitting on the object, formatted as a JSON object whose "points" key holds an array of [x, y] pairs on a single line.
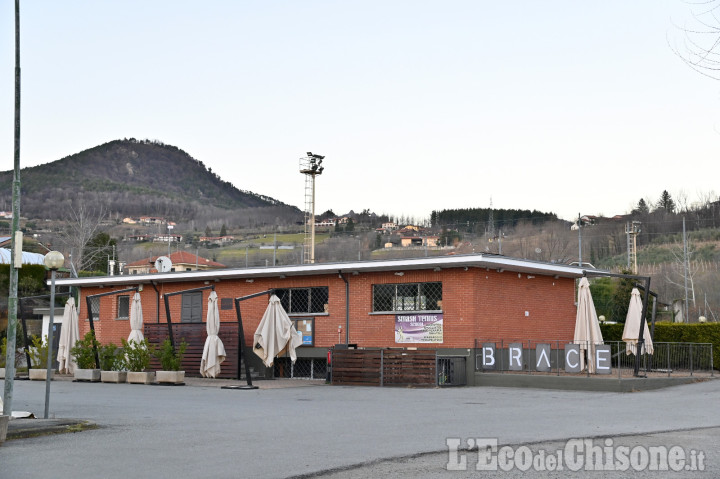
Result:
{"points": [[310, 166]]}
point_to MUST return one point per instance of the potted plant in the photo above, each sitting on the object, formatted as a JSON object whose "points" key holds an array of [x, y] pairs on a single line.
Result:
{"points": [[112, 364], [38, 359], [84, 354], [137, 359], [171, 362]]}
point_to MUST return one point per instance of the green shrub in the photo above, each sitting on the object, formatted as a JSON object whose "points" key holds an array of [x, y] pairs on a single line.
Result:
{"points": [[84, 351], [136, 355], [39, 352], [170, 357], [110, 358]]}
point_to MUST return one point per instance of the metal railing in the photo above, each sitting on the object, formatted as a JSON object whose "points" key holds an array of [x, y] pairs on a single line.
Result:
{"points": [[531, 356], [304, 368]]}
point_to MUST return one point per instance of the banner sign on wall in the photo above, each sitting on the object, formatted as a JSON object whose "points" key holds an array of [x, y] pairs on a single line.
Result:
{"points": [[419, 328]]}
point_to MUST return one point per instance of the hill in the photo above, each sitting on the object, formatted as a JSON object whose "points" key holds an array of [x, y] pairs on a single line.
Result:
{"points": [[131, 178]]}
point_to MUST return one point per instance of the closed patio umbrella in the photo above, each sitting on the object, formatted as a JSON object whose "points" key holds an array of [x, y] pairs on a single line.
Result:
{"points": [[587, 327], [274, 333], [631, 332], [136, 320], [69, 334], [214, 350]]}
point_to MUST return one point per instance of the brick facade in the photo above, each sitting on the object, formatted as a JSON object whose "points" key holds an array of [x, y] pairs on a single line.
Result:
{"points": [[477, 303]]}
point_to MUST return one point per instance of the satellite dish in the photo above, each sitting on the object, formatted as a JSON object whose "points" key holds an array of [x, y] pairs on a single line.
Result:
{"points": [[163, 264], [538, 250]]}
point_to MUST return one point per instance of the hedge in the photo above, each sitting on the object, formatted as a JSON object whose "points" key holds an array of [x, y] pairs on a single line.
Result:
{"points": [[675, 333]]}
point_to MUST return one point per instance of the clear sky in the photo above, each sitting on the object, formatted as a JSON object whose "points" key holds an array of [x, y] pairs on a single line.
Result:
{"points": [[563, 106]]}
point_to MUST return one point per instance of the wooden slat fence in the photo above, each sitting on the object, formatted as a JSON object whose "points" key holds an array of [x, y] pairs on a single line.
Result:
{"points": [[195, 334], [384, 367]]}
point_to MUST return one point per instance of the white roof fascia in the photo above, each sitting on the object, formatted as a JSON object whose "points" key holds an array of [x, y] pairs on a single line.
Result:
{"points": [[443, 262]]}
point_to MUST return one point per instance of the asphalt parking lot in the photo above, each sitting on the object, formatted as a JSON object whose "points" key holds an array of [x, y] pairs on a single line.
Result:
{"points": [[305, 429]]}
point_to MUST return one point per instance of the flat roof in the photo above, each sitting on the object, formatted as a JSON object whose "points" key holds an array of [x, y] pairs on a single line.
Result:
{"points": [[488, 261]]}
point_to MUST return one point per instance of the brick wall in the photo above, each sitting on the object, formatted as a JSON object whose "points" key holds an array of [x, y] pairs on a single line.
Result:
{"points": [[476, 304]]}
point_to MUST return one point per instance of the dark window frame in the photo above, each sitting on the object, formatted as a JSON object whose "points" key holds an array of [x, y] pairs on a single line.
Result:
{"points": [[304, 300], [123, 298], [193, 307], [407, 297]]}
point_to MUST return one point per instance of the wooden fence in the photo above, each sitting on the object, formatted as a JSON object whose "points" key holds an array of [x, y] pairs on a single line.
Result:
{"points": [[195, 334], [384, 367]]}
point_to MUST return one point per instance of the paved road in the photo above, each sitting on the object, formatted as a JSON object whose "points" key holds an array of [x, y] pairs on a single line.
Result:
{"points": [[203, 431]]}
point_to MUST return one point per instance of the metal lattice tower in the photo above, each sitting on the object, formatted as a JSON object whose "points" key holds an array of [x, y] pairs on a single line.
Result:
{"points": [[632, 230], [310, 166]]}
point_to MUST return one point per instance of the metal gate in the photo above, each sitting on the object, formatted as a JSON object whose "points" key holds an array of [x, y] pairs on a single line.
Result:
{"points": [[451, 371]]}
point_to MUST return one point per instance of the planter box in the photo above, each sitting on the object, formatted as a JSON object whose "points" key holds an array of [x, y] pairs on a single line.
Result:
{"points": [[3, 427], [113, 376], [39, 374], [87, 375], [140, 378], [170, 377]]}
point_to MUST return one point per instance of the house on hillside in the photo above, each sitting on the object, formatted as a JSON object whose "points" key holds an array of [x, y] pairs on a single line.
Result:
{"points": [[181, 261], [217, 240]]}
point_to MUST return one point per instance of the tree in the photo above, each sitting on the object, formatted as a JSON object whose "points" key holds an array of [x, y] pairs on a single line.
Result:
{"points": [[81, 225], [701, 48], [666, 203], [350, 226], [223, 230], [97, 252], [642, 208], [208, 231]]}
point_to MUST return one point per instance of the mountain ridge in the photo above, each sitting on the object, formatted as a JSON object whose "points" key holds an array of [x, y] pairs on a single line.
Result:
{"points": [[130, 177]]}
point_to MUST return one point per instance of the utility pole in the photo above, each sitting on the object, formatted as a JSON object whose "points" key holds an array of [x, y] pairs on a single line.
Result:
{"points": [[16, 241], [685, 268], [579, 241]]}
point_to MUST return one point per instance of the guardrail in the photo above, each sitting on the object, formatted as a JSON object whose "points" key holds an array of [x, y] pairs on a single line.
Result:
{"points": [[556, 357]]}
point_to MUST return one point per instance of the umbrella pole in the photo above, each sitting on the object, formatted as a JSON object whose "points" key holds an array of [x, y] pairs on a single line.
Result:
{"points": [[92, 328], [241, 351], [169, 324], [641, 340]]}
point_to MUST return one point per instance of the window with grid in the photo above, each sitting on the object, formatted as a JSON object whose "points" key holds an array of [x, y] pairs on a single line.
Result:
{"points": [[95, 308], [303, 300], [123, 307], [407, 297]]}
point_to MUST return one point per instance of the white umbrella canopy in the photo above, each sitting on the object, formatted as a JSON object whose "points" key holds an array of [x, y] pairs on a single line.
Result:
{"points": [[136, 320], [214, 350], [587, 327], [631, 332], [69, 334], [274, 333]]}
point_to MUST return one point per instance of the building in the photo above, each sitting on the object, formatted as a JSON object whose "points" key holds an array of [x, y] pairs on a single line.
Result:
{"points": [[181, 261], [420, 241], [445, 303]]}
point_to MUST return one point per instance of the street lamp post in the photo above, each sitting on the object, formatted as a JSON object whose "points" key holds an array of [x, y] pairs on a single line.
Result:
{"points": [[53, 261]]}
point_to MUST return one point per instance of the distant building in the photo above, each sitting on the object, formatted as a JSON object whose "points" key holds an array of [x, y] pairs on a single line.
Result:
{"points": [[429, 241], [181, 261], [218, 240], [390, 226], [165, 238], [152, 220]]}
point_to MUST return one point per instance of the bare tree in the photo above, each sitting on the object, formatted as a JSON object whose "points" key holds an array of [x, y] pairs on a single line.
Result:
{"points": [[700, 48], [81, 224]]}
